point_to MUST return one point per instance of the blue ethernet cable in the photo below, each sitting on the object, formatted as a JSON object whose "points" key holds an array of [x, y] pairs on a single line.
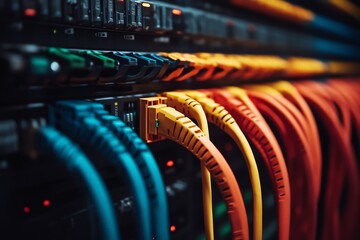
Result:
{"points": [[148, 167], [78, 121], [146, 164], [52, 142]]}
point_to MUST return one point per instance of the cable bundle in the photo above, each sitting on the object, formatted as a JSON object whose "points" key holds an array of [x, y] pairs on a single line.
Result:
{"points": [[120, 140], [315, 160], [78, 121], [160, 120], [186, 102], [52, 143]]}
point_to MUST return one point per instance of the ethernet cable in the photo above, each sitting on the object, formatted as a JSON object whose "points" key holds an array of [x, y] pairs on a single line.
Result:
{"points": [[301, 121], [335, 169], [160, 120], [51, 142], [291, 94], [297, 152], [258, 132], [146, 163], [333, 96], [352, 98], [337, 100], [197, 65], [189, 107], [224, 66], [79, 122], [174, 73], [334, 225], [216, 114], [149, 169]]}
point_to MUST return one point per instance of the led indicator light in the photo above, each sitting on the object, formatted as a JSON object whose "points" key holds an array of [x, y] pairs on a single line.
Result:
{"points": [[46, 203], [26, 210], [172, 228], [54, 66], [145, 4], [170, 163], [29, 12], [176, 12]]}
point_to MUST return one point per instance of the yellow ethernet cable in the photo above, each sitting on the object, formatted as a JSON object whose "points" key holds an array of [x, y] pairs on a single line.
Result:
{"points": [[217, 115], [191, 108], [159, 121], [302, 67]]}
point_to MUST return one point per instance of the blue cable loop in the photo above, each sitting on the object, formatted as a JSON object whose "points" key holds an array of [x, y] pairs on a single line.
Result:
{"points": [[51, 142], [145, 162], [79, 122]]}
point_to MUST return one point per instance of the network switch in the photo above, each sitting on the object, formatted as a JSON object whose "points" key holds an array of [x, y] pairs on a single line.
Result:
{"points": [[129, 119]]}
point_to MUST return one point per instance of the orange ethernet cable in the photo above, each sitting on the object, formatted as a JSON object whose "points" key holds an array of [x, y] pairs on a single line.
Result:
{"points": [[216, 114], [277, 8], [352, 98], [160, 121], [315, 168], [178, 71], [223, 65], [347, 7], [341, 160], [191, 108], [297, 153], [291, 94], [327, 114], [205, 68], [336, 99], [194, 66], [344, 111], [259, 133]]}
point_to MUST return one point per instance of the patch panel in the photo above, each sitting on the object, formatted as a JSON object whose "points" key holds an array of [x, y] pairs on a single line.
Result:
{"points": [[133, 22]]}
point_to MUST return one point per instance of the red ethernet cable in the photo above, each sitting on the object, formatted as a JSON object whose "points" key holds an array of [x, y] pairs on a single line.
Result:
{"points": [[342, 167], [297, 153]]}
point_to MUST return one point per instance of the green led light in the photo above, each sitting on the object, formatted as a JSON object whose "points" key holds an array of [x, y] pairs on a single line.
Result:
{"points": [[157, 123], [220, 210], [54, 31]]}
